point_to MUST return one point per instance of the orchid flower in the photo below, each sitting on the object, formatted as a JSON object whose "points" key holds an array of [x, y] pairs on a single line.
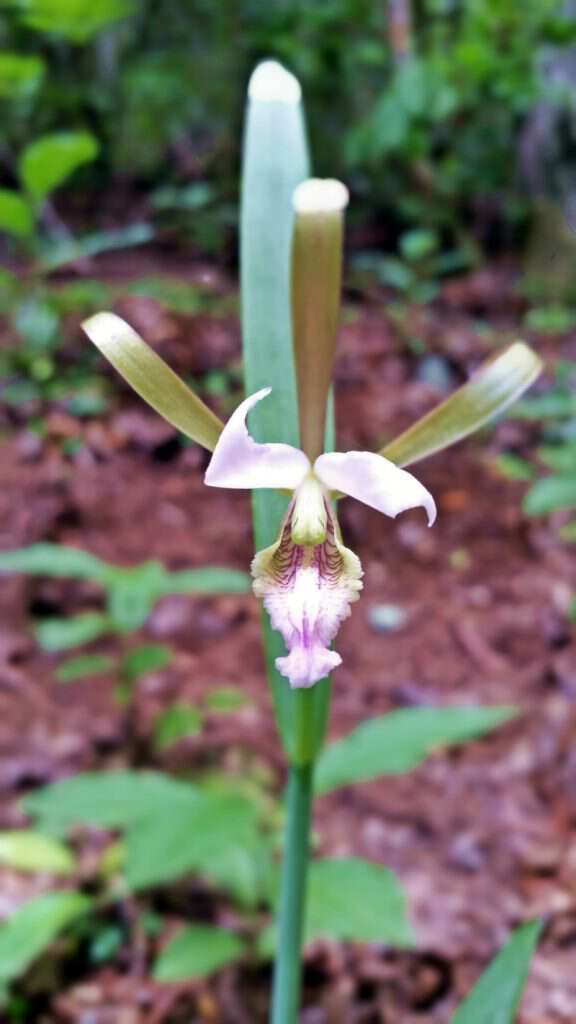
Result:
{"points": [[307, 578]]}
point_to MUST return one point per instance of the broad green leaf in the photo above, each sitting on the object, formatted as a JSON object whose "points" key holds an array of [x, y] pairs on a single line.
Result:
{"points": [[207, 837], [16, 216], [490, 391], [50, 160], [176, 723], [74, 20], [84, 665], [20, 75], [153, 379], [26, 850], [108, 799], [395, 743], [550, 494], [33, 927], [62, 634], [275, 161], [210, 580], [147, 658], [351, 900], [354, 900], [496, 997], [54, 560], [196, 952]]}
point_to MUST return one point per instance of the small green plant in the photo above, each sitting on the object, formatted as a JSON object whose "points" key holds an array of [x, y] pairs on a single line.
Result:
{"points": [[414, 274], [130, 595], [302, 571], [235, 839], [555, 414]]}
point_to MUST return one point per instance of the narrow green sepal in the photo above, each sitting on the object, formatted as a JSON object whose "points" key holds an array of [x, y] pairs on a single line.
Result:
{"points": [[495, 386], [153, 379]]}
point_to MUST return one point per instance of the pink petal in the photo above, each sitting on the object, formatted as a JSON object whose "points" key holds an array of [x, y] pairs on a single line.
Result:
{"points": [[307, 592], [239, 461], [374, 480]]}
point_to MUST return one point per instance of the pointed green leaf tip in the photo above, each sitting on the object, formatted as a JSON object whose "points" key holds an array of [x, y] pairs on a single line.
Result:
{"points": [[495, 386], [153, 379], [496, 996]]}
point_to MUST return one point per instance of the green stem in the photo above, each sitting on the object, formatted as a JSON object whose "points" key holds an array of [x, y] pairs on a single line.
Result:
{"points": [[287, 971]]}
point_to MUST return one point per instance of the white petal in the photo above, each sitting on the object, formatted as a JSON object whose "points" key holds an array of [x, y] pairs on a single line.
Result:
{"points": [[239, 461], [374, 480]]}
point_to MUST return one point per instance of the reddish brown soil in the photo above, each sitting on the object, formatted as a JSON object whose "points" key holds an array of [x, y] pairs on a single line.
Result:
{"points": [[482, 837]]}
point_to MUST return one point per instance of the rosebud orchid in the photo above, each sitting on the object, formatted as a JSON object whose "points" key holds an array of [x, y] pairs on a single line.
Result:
{"points": [[307, 578]]}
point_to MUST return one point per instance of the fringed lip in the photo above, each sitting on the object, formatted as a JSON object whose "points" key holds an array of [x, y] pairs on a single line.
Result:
{"points": [[307, 591]]}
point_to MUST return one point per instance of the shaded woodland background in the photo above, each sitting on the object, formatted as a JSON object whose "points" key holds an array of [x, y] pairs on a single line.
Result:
{"points": [[453, 124]]}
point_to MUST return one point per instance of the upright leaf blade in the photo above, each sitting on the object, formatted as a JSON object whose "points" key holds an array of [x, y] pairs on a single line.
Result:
{"points": [[275, 162], [496, 996], [490, 391]]}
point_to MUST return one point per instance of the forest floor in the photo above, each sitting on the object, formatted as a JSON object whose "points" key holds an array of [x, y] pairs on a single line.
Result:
{"points": [[482, 837]]}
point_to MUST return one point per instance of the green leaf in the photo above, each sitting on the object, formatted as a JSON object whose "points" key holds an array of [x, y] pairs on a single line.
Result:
{"points": [[496, 997], [153, 379], [514, 467], [16, 216], [196, 952], [74, 20], [20, 75], [62, 634], [109, 799], [395, 743], [54, 560], [208, 836], [490, 391], [210, 580], [556, 405], [550, 494], [84, 665], [50, 160], [561, 457], [147, 658], [133, 592], [275, 161], [225, 700], [352, 900], [176, 723], [71, 250], [30, 931], [31, 851]]}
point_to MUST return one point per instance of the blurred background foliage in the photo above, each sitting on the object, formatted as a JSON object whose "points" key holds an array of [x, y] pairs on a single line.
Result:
{"points": [[449, 116]]}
